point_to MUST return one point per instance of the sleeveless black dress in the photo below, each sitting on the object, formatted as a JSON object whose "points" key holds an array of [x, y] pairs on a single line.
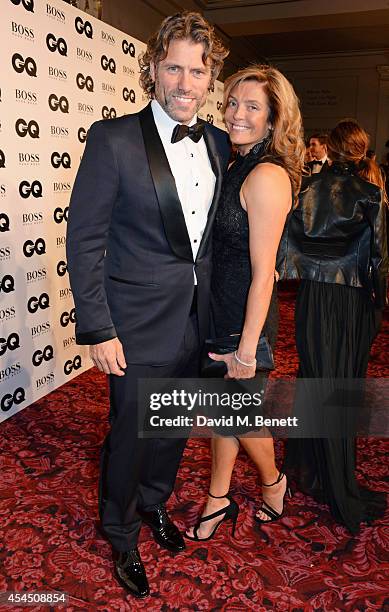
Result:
{"points": [[231, 276]]}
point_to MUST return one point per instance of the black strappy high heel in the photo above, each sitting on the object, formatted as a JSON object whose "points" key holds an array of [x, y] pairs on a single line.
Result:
{"points": [[266, 509], [230, 513]]}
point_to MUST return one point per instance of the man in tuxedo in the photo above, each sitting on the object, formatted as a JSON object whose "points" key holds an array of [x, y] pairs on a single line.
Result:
{"points": [[139, 260], [318, 149]]}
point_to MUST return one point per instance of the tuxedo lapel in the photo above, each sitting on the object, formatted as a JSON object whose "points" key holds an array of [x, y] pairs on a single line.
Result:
{"points": [[165, 187], [215, 161]]}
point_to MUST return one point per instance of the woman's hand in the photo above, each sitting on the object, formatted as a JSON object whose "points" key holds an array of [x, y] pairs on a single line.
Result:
{"points": [[234, 368]]}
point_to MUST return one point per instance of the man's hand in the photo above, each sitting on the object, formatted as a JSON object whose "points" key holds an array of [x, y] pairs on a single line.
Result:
{"points": [[108, 356]]}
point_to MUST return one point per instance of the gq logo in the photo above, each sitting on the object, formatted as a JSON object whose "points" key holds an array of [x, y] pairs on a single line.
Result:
{"points": [[34, 303], [129, 95], [56, 44], [19, 64], [108, 113], [84, 82], [23, 128], [2, 159], [83, 27], [108, 64], [8, 400], [68, 317], [81, 134], [40, 356], [4, 222], [128, 48], [219, 105], [61, 214], [11, 343], [210, 118], [56, 103], [26, 189], [27, 4], [62, 268], [7, 283], [58, 160], [30, 247], [70, 365]]}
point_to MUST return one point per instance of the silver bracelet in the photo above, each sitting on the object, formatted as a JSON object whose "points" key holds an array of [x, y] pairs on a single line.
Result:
{"points": [[244, 363]]}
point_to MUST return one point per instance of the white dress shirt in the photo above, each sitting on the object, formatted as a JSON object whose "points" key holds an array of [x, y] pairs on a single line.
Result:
{"points": [[192, 172], [317, 169]]}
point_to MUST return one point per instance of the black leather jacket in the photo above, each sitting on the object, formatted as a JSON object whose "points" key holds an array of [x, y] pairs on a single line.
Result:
{"points": [[337, 233]]}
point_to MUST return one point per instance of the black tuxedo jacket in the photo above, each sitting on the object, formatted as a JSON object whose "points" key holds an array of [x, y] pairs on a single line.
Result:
{"points": [[129, 255]]}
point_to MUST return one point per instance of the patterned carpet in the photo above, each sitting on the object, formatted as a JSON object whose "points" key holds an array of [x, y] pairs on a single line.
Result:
{"points": [[49, 537]]}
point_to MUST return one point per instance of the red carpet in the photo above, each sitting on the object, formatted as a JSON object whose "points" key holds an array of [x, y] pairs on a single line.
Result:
{"points": [[50, 540]]}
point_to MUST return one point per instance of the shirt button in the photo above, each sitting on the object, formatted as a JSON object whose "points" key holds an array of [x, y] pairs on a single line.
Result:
{"points": [[195, 241]]}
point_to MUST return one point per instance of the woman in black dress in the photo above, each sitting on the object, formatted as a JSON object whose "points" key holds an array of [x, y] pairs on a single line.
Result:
{"points": [[336, 243], [262, 115]]}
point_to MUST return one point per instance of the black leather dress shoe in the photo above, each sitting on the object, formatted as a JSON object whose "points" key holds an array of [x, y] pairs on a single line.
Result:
{"points": [[164, 530], [131, 572]]}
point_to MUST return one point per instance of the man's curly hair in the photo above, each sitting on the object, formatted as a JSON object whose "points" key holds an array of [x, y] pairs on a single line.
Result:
{"points": [[181, 26]]}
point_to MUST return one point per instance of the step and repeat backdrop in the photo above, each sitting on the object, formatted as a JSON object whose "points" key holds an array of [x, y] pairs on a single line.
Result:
{"points": [[61, 70]]}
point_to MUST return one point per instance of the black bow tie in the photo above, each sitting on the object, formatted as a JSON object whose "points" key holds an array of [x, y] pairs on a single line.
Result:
{"points": [[317, 162], [194, 132]]}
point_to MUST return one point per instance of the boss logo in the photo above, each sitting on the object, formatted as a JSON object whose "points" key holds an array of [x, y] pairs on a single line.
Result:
{"points": [[40, 356], [68, 317], [20, 64], [2, 159], [62, 268], [7, 283], [7, 313], [21, 30], [61, 214], [11, 343], [69, 341], [56, 103], [34, 303], [29, 158], [38, 330], [108, 38], [129, 71], [26, 189], [5, 253], [57, 187], [85, 108], [107, 88], [70, 365], [27, 4], [129, 95], [10, 371], [12, 399], [81, 134], [26, 96], [32, 217], [219, 105], [36, 275], [84, 54], [128, 48], [54, 12], [65, 293], [108, 113], [108, 64], [59, 131], [84, 82], [45, 380], [38, 247], [57, 73], [56, 44], [4, 222], [58, 160], [210, 118], [61, 241], [23, 128], [2, 190], [83, 27]]}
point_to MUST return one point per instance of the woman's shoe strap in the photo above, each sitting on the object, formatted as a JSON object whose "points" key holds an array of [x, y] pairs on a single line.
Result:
{"points": [[280, 477]]}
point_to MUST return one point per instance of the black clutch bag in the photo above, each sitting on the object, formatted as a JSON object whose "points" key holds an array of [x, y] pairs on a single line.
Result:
{"points": [[229, 344]]}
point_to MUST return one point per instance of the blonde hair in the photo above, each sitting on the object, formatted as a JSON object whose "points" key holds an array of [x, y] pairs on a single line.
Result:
{"points": [[286, 143], [181, 26]]}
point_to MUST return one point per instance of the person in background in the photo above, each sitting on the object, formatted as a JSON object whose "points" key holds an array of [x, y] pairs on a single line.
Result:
{"points": [[336, 245], [262, 116], [318, 148], [139, 259]]}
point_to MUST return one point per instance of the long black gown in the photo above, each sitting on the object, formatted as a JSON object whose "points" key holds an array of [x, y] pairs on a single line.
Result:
{"points": [[335, 328]]}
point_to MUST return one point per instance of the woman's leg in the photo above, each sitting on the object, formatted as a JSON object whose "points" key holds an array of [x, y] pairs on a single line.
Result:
{"points": [[224, 453]]}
